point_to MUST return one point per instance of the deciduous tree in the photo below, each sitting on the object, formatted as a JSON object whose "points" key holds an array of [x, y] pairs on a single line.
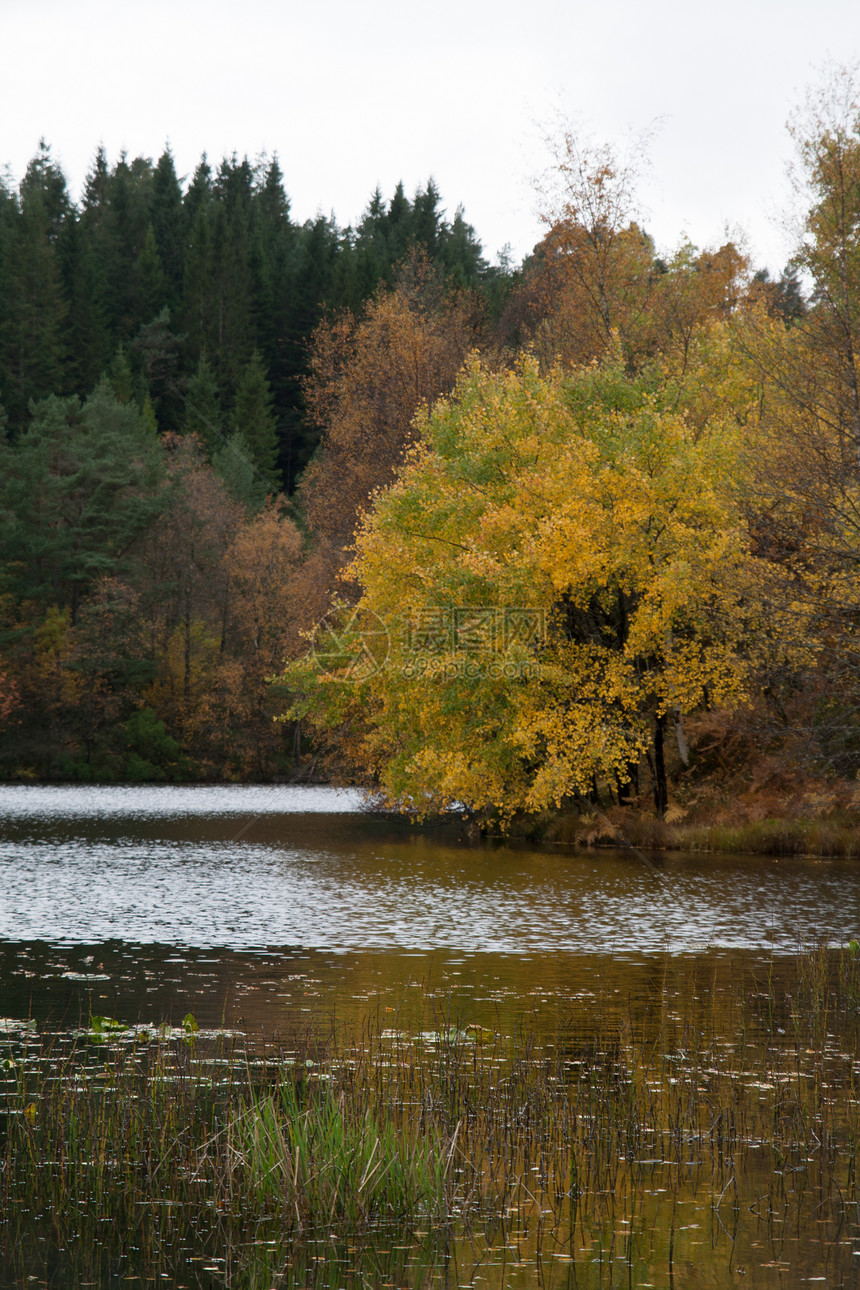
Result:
{"points": [[563, 569]]}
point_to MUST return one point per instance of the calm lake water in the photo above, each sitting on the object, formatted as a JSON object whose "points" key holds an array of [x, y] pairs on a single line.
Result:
{"points": [[281, 911], [267, 905]]}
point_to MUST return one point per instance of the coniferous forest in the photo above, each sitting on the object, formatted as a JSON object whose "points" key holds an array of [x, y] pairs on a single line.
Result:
{"points": [[155, 349], [220, 427]]}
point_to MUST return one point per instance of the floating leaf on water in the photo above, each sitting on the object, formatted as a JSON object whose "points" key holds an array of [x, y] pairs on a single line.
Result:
{"points": [[101, 1026], [11, 1026]]}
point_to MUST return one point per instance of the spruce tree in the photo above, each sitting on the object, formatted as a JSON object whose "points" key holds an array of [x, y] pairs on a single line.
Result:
{"points": [[167, 218], [427, 221], [272, 256], [80, 485], [120, 376], [152, 287], [36, 307], [398, 230], [254, 418], [202, 415], [89, 339], [235, 463], [199, 314]]}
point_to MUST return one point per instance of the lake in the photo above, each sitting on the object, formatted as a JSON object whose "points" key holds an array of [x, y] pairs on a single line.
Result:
{"points": [[289, 914]]}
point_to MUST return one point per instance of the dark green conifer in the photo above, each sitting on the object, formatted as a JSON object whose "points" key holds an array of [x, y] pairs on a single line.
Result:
{"points": [[254, 417], [202, 415], [167, 218], [152, 286]]}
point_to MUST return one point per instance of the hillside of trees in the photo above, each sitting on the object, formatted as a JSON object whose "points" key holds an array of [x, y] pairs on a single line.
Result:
{"points": [[222, 428], [156, 344], [195, 290]]}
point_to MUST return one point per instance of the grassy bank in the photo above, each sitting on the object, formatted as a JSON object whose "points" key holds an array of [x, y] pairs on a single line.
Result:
{"points": [[837, 836]]}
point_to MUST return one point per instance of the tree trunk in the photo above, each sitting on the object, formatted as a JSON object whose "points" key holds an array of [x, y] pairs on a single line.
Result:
{"points": [[629, 787], [661, 788]]}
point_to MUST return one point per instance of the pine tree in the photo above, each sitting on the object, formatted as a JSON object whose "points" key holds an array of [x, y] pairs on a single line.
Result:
{"points": [[234, 461], [198, 195], [8, 235], [152, 285], [199, 315], [427, 221], [231, 264], [81, 484], [254, 417], [96, 185], [89, 338], [120, 376], [157, 348], [89, 287], [167, 223], [272, 256], [461, 254], [398, 230], [121, 249], [202, 415], [36, 307]]}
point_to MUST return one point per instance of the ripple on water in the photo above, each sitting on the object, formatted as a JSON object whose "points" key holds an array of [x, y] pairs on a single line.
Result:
{"points": [[340, 886], [172, 801]]}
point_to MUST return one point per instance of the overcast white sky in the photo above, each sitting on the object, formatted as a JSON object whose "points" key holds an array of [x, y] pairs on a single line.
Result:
{"points": [[353, 95]]}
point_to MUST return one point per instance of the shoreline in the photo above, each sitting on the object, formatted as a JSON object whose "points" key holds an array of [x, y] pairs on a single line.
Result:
{"points": [[810, 837], [834, 835]]}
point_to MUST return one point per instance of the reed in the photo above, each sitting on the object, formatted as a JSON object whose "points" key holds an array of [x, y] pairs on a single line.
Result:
{"points": [[836, 837], [453, 1127], [321, 1155]]}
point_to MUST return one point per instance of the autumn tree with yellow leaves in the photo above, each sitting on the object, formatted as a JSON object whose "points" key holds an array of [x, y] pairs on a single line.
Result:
{"points": [[563, 571], [596, 285]]}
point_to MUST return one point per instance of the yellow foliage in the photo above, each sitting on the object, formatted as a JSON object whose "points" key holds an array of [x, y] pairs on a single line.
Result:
{"points": [[606, 507]]}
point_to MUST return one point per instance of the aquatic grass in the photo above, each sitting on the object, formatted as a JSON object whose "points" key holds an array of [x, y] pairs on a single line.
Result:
{"points": [[322, 1156], [586, 1134], [95, 1123]]}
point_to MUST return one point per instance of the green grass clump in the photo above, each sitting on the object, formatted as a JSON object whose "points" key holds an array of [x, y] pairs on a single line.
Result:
{"points": [[771, 837], [312, 1152]]}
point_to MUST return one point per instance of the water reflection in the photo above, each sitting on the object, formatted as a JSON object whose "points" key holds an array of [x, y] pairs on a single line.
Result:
{"points": [[292, 915]]}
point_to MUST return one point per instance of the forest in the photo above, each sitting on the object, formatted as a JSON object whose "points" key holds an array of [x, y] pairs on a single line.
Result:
{"points": [[602, 509]]}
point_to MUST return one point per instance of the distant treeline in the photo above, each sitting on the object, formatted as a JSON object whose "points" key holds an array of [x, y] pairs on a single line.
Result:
{"points": [[183, 292], [167, 370]]}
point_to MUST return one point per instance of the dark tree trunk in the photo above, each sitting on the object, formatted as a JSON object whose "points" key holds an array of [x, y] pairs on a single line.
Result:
{"points": [[661, 788], [629, 787]]}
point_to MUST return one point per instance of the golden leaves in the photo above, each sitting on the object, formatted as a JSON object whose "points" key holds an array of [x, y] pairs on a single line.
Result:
{"points": [[590, 497]]}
